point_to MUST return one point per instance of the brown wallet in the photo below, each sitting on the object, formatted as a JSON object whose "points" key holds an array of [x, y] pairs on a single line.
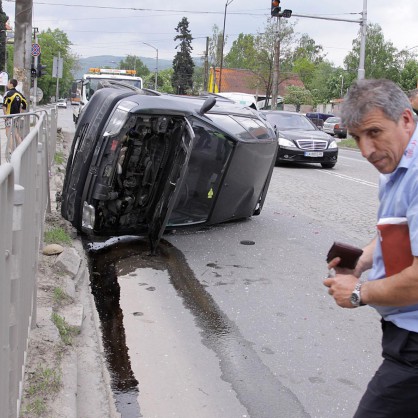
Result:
{"points": [[349, 254]]}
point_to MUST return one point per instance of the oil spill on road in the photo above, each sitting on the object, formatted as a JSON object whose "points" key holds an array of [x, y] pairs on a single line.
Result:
{"points": [[257, 388]]}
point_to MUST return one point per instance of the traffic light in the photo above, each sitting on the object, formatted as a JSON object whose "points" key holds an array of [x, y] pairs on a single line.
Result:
{"points": [[275, 8], [287, 13], [33, 72], [40, 70]]}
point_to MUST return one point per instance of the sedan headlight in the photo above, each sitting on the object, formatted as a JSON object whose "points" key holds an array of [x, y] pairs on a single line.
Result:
{"points": [[283, 142], [118, 119], [332, 145]]}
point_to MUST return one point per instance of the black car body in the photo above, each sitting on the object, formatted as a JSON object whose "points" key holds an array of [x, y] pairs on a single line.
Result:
{"points": [[140, 163], [300, 141]]}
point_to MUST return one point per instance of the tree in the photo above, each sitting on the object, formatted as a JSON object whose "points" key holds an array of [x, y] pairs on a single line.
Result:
{"points": [[3, 19], [298, 96], [242, 53], [164, 81], [54, 42], [132, 62], [409, 75], [381, 58], [183, 65], [215, 47]]}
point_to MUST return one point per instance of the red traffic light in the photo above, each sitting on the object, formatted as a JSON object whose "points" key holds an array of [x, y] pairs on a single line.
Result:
{"points": [[275, 8]]}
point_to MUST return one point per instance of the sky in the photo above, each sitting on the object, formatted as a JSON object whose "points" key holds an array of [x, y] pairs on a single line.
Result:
{"points": [[106, 27]]}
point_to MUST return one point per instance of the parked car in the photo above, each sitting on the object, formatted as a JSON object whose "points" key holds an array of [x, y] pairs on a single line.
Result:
{"points": [[333, 126], [318, 118], [300, 140], [140, 163], [62, 103], [340, 130]]}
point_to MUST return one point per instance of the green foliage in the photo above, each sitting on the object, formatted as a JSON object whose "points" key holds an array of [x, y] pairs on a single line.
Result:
{"points": [[3, 20], [56, 235], [381, 59], [66, 331], [132, 62], [44, 382], [298, 96], [409, 75], [164, 80], [54, 42], [59, 158], [183, 65]]}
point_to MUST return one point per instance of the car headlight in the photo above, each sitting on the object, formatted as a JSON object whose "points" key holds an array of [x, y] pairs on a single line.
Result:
{"points": [[118, 119], [332, 145], [283, 142]]}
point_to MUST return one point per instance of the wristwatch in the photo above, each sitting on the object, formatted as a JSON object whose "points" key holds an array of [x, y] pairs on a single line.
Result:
{"points": [[355, 298]]}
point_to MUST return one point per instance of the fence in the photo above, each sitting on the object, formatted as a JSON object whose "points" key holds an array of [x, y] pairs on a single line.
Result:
{"points": [[24, 200]]}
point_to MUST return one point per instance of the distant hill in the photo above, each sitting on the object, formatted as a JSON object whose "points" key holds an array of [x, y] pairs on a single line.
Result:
{"points": [[111, 61]]}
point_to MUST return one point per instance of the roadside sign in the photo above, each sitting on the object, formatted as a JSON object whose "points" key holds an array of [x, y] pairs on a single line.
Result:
{"points": [[57, 67], [39, 94], [36, 50], [4, 78]]}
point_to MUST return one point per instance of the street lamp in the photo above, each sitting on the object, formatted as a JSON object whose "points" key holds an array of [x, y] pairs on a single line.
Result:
{"points": [[156, 65], [342, 84], [222, 46]]}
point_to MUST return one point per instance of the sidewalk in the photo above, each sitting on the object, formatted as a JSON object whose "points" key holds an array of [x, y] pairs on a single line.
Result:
{"points": [[79, 366]]}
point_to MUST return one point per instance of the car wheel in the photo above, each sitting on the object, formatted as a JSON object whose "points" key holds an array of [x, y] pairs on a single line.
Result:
{"points": [[327, 165]]}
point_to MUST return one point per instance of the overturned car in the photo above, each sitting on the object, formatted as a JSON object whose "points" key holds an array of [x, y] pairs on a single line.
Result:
{"points": [[141, 162]]}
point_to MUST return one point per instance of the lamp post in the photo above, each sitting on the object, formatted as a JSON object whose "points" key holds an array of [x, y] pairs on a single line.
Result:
{"points": [[222, 46], [156, 65], [342, 85]]}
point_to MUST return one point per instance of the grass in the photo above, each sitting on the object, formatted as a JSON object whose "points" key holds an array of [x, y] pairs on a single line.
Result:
{"points": [[43, 382], [60, 297], [348, 143], [59, 158], [57, 235], [66, 331]]}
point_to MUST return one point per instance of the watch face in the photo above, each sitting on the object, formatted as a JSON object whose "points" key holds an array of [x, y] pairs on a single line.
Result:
{"points": [[355, 299]]}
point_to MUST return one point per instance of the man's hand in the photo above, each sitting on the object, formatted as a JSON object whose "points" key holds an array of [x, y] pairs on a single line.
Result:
{"points": [[340, 287]]}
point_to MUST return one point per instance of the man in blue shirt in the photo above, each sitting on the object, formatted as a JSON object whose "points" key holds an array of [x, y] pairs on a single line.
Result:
{"points": [[379, 117]]}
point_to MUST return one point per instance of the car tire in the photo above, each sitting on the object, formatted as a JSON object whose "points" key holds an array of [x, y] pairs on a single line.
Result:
{"points": [[328, 165]]}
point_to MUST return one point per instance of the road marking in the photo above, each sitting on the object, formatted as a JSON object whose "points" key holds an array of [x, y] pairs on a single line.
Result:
{"points": [[343, 176]]}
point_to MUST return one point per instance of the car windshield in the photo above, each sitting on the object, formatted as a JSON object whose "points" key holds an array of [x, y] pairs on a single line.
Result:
{"points": [[289, 121], [332, 120]]}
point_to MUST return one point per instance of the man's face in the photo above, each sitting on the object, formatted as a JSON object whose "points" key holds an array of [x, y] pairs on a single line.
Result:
{"points": [[414, 101], [383, 141]]}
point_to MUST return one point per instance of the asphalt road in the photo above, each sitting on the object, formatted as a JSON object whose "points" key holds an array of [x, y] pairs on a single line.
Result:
{"points": [[215, 328]]}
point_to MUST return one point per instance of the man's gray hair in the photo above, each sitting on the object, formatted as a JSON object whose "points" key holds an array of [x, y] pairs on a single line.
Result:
{"points": [[367, 95], [412, 93]]}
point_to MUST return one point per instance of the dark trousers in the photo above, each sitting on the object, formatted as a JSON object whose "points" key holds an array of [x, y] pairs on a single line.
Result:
{"points": [[393, 391]]}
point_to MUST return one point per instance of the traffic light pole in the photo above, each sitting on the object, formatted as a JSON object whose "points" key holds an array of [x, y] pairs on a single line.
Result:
{"points": [[276, 67], [363, 33], [35, 80]]}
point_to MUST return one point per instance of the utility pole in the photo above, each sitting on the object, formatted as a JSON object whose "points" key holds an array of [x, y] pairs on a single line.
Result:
{"points": [[276, 67], [206, 68], [23, 44], [363, 25]]}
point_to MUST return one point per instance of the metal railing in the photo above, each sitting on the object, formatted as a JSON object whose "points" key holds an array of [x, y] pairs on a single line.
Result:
{"points": [[24, 201]]}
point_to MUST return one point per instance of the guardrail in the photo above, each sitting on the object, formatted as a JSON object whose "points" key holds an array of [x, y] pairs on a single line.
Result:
{"points": [[24, 201]]}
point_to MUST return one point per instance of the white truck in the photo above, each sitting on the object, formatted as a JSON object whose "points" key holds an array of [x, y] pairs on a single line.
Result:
{"points": [[96, 78]]}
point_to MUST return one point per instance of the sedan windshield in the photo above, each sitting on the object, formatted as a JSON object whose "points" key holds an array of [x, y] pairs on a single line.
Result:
{"points": [[286, 121]]}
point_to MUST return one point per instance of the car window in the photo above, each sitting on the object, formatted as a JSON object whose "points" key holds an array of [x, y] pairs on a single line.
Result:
{"points": [[287, 121], [246, 129], [332, 120]]}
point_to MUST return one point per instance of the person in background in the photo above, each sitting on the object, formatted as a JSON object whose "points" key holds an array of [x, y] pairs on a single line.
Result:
{"points": [[379, 117], [13, 103], [413, 98]]}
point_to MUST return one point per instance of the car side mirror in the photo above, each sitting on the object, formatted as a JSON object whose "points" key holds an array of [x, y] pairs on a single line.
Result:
{"points": [[207, 105]]}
